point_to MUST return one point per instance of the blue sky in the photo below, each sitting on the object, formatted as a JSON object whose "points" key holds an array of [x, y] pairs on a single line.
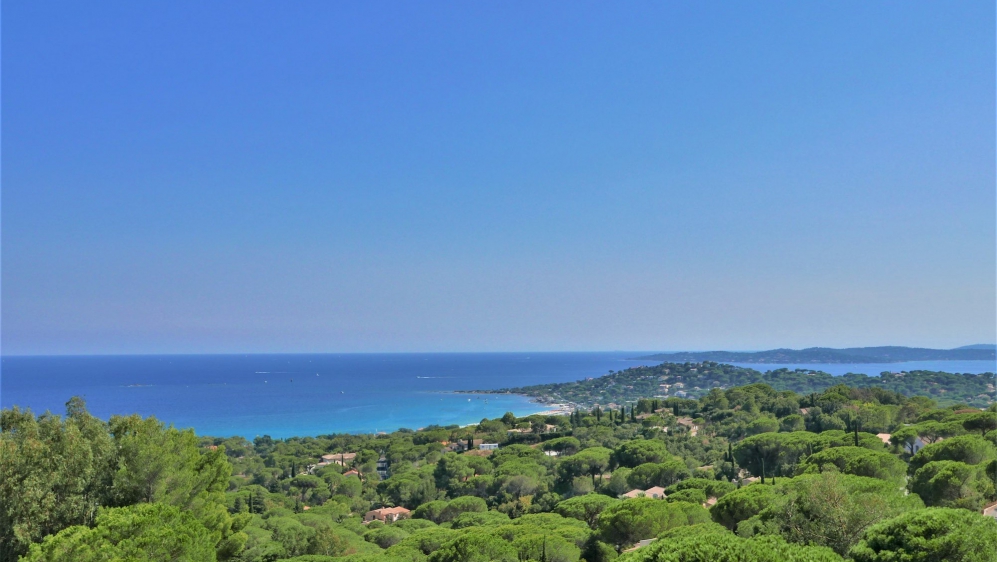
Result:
{"points": [[317, 176]]}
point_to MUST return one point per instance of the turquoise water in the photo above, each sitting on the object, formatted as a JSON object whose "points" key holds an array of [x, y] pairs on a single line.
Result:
{"points": [[288, 395]]}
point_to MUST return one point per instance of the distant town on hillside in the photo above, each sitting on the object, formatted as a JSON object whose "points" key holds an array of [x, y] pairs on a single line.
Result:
{"points": [[883, 354]]}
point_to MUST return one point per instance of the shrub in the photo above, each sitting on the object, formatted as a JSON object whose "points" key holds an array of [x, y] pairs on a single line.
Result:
{"points": [[928, 535]]}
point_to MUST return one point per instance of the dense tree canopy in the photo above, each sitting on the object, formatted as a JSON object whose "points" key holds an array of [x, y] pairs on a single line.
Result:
{"points": [[927, 535], [749, 473]]}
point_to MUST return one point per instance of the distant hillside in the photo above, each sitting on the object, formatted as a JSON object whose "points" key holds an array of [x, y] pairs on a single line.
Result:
{"points": [[695, 380], [885, 354]]}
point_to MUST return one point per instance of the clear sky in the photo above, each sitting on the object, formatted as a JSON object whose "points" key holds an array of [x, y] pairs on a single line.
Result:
{"points": [[479, 176]]}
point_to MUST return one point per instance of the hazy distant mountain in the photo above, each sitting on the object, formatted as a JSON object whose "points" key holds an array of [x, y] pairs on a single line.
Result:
{"points": [[885, 354]]}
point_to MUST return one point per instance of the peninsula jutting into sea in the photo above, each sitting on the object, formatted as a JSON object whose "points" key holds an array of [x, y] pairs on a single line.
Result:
{"points": [[393, 281], [884, 354]]}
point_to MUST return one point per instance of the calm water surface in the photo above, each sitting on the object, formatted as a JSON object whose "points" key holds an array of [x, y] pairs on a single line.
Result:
{"points": [[287, 395]]}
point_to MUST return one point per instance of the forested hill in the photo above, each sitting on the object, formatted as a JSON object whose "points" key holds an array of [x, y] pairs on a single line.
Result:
{"points": [[694, 380], [884, 354], [747, 474]]}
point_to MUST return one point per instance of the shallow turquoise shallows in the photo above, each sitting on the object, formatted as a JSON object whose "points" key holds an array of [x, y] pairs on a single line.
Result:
{"points": [[288, 395]]}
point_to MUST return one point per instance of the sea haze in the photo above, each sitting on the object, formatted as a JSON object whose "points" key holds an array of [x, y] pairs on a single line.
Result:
{"points": [[288, 395]]}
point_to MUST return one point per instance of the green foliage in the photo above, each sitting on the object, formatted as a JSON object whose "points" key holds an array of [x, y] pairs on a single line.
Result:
{"points": [[268, 500], [771, 454], [145, 532], [658, 474], [764, 425], [386, 536], [550, 548], [163, 464], [691, 495], [589, 462], [411, 488], [636, 519], [586, 508], [564, 445], [641, 451], [476, 547], [432, 511], [791, 423], [969, 449], [478, 519], [953, 484], [62, 470], [712, 488], [858, 461], [742, 504], [463, 504], [54, 472], [426, 541], [413, 525], [929, 535], [833, 509], [706, 543], [839, 438], [640, 382]]}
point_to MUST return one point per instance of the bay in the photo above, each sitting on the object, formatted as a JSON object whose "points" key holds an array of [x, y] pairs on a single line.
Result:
{"points": [[315, 394], [299, 394]]}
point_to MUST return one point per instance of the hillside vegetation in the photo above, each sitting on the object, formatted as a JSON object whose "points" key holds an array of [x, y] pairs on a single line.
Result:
{"points": [[694, 380], [884, 354], [747, 473]]}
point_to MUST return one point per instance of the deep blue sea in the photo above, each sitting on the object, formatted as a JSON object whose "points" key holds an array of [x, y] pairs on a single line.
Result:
{"points": [[288, 395]]}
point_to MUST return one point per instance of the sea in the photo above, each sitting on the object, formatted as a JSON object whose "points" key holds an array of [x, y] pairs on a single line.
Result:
{"points": [[318, 394]]}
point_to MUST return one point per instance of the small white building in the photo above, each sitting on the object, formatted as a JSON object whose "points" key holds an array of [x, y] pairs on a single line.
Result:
{"points": [[488, 446]]}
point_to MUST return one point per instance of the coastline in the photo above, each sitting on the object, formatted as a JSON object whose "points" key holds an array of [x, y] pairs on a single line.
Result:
{"points": [[301, 395]]}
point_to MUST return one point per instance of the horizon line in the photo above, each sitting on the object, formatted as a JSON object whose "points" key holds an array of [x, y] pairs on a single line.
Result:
{"points": [[651, 352]]}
